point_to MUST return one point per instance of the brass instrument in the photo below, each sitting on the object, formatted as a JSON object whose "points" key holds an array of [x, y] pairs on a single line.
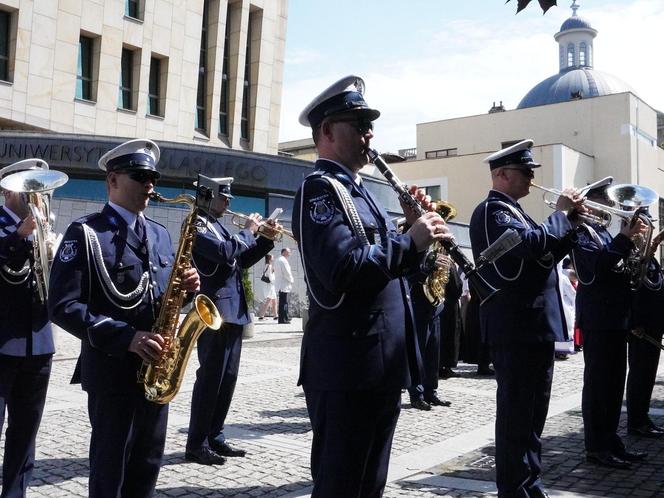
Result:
{"points": [[163, 378], [267, 231], [436, 281], [601, 214], [39, 184], [636, 199]]}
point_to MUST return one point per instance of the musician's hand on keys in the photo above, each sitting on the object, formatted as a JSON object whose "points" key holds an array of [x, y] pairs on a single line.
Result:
{"points": [[147, 345], [421, 197], [253, 222], [427, 228], [570, 198], [632, 228], [28, 225], [271, 229], [191, 282]]}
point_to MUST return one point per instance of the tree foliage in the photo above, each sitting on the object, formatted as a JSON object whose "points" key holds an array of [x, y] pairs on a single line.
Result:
{"points": [[545, 4]]}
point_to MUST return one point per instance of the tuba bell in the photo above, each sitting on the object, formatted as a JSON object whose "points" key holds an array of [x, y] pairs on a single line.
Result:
{"points": [[636, 199], [38, 185]]}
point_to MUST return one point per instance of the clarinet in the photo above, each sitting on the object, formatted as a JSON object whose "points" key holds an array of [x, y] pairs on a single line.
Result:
{"points": [[483, 288]]}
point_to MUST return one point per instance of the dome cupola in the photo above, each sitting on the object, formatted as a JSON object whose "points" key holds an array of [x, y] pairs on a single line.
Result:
{"points": [[575, 41]]}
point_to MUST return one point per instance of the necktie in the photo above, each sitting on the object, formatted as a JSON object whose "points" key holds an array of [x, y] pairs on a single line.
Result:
{"points": [[139, 228]]}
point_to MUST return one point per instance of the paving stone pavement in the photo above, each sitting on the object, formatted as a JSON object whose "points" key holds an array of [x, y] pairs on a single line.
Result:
{"points": [[444, 452]]}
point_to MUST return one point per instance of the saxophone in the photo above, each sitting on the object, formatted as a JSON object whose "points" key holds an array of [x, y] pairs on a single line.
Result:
{"points": [[162, 379], [439, 260]]}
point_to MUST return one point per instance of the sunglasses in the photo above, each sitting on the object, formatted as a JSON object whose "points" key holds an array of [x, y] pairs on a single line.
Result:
{"points": [[526, 172], [143, 176], [361, 125]]}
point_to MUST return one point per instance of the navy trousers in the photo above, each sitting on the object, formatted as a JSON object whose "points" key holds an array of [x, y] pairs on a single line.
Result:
{"points": [[127, 443], [219, 358], [605, 356], [428, 340], [23, 386], [352, 439], [282, 307], [524, 373], [643, 360]]}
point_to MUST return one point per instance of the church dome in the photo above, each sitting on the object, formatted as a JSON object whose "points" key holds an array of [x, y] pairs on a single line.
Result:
{"points": [[573, 84], [575, 22]]}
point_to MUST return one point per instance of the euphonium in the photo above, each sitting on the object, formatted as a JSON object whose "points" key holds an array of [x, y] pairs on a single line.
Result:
{"points": [[38, 184], [435, 283], [163, 378]]}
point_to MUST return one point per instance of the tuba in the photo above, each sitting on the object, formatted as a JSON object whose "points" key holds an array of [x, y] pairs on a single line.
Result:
{"points": [[38, 185], [162, 379], [636, 199], [438, 259]]}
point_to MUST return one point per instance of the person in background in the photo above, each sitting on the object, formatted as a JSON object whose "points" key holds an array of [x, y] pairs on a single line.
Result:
{"points": [[268, 291], [284, 283]]}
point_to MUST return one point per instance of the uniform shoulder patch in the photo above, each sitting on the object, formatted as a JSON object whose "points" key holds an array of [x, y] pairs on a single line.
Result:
{"points": [[68, 250], [321, 208], [502, 217], [201, 225]]}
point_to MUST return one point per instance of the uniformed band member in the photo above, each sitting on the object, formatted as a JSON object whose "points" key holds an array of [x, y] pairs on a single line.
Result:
{"points": [[522, 321], [643, 356], [26, 340], [220, 258], [359, 348], [427, 327], [106, 282], [603, 300]]}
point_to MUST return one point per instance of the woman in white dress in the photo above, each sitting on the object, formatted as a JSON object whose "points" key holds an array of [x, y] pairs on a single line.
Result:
{"points": [[268, 292]]}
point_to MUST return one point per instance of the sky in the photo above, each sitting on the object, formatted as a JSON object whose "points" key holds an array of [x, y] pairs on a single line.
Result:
{"points": [[428, 60]]}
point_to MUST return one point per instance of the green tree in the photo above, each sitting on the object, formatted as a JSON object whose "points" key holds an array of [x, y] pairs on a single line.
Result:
{"points": [[248, 288]]}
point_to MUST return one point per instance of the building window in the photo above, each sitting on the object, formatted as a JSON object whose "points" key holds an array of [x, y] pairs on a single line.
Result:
{"points": [[5, 45], [84, 75], [244, 122], [129, 73], [223, 104], [201, 94], [133, 9], [433, 191], [570, 55], [433, 154], [157, 86], [590, 55], [582, 54]]}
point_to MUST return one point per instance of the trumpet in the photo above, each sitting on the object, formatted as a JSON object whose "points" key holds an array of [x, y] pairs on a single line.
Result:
{"points": [[269, 232], [601, 214]]}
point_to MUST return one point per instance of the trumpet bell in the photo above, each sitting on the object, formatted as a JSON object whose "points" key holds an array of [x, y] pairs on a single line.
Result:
{"points": [[631, 196], [34, 181]]}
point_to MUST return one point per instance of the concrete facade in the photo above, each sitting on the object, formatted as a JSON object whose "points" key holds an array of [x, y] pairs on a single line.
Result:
{"points": [[41, 88], [577, 142]]}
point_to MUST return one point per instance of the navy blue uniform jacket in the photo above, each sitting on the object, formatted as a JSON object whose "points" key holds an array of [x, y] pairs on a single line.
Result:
{"points": [[82, 304], [603, 295], [360, 332], [220, 258], [528, 307], [24, 326]]}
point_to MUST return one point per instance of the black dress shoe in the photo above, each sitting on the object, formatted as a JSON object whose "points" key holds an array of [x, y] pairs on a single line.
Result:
{"points": [[631, 456], [646, 431], [225, 449], [607, 460], [420, 404], [485, 370], [434, 400], [537, 493], [446, 373], [204, 456]]}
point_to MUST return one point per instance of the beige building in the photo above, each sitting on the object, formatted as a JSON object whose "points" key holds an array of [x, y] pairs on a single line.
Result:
{"points": [[586, 125], [206, 72]]}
